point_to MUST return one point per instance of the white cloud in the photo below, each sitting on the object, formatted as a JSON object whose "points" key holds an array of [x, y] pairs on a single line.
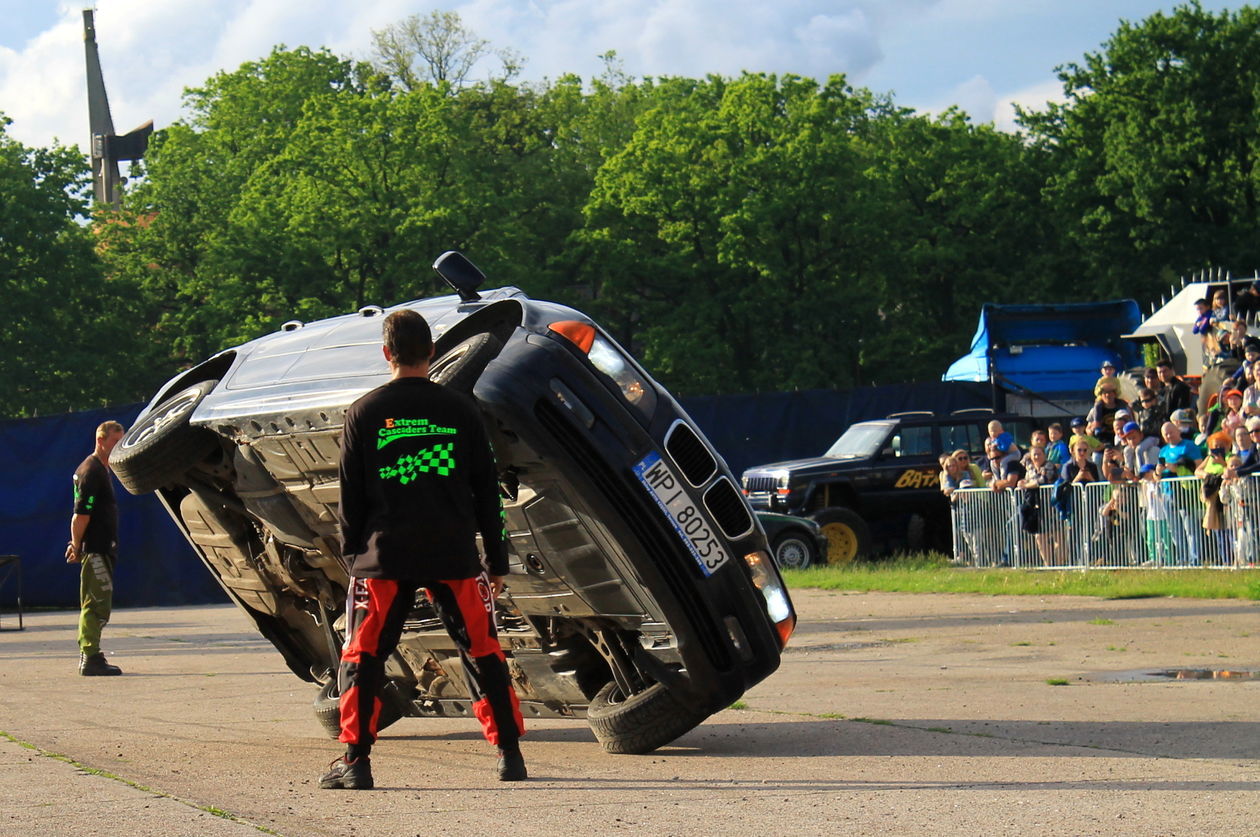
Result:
{"points": [[930, 53], [151, 52], [845, 40], [974, 96], [39, 87], [1030, 98], [982, 104]]}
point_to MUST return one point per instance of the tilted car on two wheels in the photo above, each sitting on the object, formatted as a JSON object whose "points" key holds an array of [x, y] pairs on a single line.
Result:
{"points": [[641, 593]]}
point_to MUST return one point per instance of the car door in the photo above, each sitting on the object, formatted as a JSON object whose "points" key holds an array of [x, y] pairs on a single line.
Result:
{"points": [[904, 471]]}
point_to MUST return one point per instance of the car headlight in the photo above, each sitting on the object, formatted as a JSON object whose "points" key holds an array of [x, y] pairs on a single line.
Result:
{"points": [[777, 606], [609, 359]]}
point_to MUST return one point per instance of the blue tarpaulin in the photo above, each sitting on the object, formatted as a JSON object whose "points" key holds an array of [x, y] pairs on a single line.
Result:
{"points": [[1053, 350], [156, 566]]}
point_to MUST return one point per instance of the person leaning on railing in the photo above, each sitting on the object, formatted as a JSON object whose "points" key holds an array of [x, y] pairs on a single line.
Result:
{"points": [[1081, 468], [1006, 471], [1212, 472], [1180, 454], [961, 473], [1040, 472], [1155, 501], [1110, 545], [1238, 493]]}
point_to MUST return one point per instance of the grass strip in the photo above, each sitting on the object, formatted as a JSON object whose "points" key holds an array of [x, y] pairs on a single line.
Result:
{"points": [[96, 771], [930, 573]]}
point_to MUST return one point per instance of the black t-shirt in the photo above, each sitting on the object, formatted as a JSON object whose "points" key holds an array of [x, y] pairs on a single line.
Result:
{"points": [[1176, 395], [94, 497], [418, 481], [1071, 469]]}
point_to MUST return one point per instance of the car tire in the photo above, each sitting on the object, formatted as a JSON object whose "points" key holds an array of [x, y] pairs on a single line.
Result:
{"points": [[328, 708], [848, 536], [794, 550], [460, 367], [916, 533], [640, 723], [163, 446]]}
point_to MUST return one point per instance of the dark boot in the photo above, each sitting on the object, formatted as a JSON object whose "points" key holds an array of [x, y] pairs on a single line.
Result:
{"points": [[348, 775], [96, 666], [511, 766]]}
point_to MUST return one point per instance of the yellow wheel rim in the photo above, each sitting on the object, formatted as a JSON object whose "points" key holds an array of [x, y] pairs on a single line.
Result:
{"points": [[842, 543]]}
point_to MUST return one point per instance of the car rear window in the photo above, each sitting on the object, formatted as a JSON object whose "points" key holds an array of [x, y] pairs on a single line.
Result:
{"points": [[968, 436]]}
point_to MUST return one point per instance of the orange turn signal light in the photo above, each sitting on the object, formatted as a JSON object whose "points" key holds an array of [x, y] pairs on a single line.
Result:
{"points": [[581, 335]]}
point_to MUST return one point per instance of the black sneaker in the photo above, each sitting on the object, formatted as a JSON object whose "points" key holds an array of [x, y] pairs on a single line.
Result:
{"points": [[511, 766], [96, 666], [348, 775]]}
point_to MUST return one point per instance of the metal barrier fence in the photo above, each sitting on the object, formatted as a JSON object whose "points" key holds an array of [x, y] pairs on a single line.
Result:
{"points": [[1168, 523]]}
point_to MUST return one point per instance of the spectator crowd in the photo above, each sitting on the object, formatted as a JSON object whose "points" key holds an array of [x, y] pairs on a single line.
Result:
{"points": [[1134, 451]]}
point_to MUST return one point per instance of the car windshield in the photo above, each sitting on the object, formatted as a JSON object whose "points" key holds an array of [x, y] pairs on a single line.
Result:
{"points": [[858, 441]]}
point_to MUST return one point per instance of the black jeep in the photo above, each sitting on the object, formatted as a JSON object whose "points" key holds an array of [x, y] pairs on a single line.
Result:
{"points": [[642, 594], [879, 482]]}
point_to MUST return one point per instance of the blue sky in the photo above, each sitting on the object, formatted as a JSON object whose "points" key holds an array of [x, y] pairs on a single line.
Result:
{"points": [[979, 54]]}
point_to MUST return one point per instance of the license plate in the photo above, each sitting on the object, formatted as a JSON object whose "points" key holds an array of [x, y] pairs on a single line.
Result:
{"points": [[695, 531]]}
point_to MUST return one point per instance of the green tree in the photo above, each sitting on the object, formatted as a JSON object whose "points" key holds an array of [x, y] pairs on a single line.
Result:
{"points": [[435, 48], [964, 223], [68, 333], [1155, 149], [730, 236], [215, 274]]}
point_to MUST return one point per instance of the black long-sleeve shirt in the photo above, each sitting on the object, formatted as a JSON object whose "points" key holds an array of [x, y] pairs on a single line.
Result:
{"points": [[418, 481]]}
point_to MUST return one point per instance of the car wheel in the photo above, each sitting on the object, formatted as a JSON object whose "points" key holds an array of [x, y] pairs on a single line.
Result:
{"points": [[328, 707], [794, 551], [916, 533], [163, 446], [460, 367], [639, 723], [848, 536]]}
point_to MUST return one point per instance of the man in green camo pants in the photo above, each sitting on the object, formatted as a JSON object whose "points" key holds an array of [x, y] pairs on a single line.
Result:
{"points": [[94, 545]]}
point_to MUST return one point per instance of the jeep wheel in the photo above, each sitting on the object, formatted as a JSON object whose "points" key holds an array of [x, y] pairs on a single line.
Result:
{"points": [[640, 723], [163, 446], [794, 551], [327, 707], [916, 533], [848, 536]]}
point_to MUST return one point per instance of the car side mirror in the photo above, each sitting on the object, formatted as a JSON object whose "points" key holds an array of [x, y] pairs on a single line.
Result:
{"points": [[461, 274]]}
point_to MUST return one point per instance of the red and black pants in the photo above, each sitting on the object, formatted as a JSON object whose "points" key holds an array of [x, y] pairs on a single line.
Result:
{"points": [[375, 611]]}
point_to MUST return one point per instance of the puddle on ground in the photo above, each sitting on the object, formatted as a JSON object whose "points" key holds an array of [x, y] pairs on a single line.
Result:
{"points": [[1164, 675]]}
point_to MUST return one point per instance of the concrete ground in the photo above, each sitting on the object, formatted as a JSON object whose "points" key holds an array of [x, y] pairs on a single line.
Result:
{"points": [[901, 714]]}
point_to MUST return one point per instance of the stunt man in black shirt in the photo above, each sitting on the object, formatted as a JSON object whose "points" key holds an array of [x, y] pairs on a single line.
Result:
{"points": [[418, 482]]}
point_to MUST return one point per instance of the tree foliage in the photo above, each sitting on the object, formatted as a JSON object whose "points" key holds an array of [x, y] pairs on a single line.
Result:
{"points": [[1155, 149], [435, 48], [756, 232], [67, 329]]}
